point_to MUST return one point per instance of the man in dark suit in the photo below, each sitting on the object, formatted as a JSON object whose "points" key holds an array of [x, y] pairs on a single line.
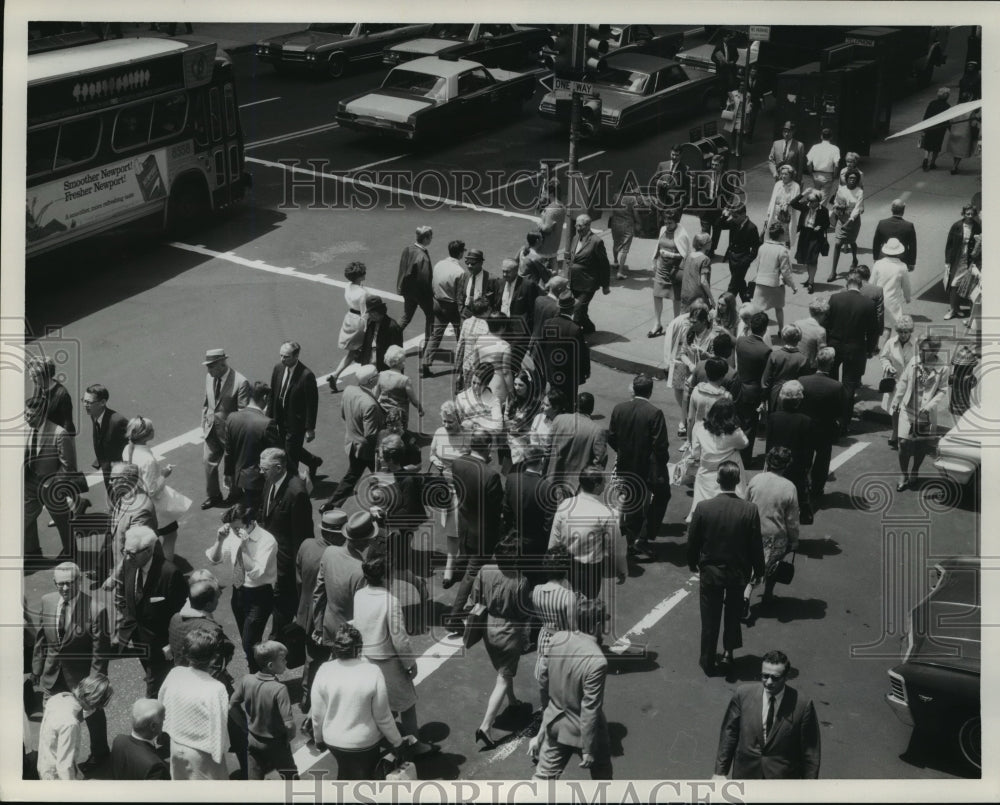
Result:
{"points": [[137, 756], [725, 548], [751, 358], [287, 516], [109, 430], [363, 419], [529, 502], [588, 270], [744, 241], [198, 612], [637, 433], [770, 731], [381, 332], [148, 591], [514, 299], [474, 284], [853, 332], [248, 432], [51, 479], [823, 402], [413, 282], [72, 642], [293, 404], [899, 228], [672, 182], [226, 391], [480, 509], [573, 673], [577, 442], [53, 394], [787, 151], [546, 308], [565, 354], [873, 292]]}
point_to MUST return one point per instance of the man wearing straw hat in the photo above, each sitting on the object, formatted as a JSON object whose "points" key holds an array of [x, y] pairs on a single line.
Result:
{"points": [[226, 391]]}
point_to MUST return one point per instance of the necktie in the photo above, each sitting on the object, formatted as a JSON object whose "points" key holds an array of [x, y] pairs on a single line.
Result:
{"points": [[270, 498], [217, 388], [139, 582], [769, 721], [239, 569], [284, 386], [61, 622], [785, 156], [97, 432], [470, 291]]}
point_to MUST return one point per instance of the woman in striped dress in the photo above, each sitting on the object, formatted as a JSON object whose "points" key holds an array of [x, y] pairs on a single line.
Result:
{"points": [[555, 604]]}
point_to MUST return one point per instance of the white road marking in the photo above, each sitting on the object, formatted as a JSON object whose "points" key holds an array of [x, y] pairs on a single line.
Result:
{"points": [[536, 174], [373, 164], [265, 100], [398, 190], [292, 135], [848, 454]]}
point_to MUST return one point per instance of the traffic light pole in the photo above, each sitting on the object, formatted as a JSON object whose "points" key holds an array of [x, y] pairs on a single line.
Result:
{"points": [[576, 112], [744, 100]]}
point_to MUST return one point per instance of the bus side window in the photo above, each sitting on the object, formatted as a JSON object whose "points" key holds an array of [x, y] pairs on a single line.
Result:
{"points": [[198, 119], [132, 126], [78, 141], [215, 114], [168, 116], [230, 110], [41, 150]]}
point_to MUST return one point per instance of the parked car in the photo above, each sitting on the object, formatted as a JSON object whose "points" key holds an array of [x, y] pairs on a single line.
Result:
{"points": [[331, 48], [635, 88], [490, 44], [959, 451], [936, 687], [644, 39], [437, 97]]}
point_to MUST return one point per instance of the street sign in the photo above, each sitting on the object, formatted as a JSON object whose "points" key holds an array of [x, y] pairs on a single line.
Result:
{"points": [[564, 85], [759, 33]]}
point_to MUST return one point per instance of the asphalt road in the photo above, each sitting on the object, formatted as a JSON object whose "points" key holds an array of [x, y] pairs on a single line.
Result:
{"points": [[137, 315]]}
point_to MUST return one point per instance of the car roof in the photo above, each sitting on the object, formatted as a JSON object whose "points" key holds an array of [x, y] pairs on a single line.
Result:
{"points": [[444, 68], [638, 61]]}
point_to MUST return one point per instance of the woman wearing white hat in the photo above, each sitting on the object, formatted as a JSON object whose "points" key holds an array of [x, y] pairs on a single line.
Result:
{"points": [[891, 275]]}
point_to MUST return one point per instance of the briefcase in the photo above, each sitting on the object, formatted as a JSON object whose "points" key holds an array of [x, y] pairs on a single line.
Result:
{"points": [[475, 626], [785, 571]]}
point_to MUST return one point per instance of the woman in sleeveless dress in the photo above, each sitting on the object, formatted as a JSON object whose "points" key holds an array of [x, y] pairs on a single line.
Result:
{"points": [[395, 389], [352, 330], [673, 246]]}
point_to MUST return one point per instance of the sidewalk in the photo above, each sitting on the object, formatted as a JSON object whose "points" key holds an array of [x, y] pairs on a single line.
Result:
{"points": [[892, 170], [232, 37]]}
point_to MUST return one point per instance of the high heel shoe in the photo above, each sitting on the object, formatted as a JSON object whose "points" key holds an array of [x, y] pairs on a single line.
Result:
{"points": [[482, 737], [446, 583]]}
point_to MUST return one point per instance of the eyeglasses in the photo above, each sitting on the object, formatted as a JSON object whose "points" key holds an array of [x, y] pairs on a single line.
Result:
{"points": [[65, 583], [774, 677], [139, 552]]}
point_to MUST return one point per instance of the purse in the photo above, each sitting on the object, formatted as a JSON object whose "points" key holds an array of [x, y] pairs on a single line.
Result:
{"points": [[475, 626], [785, 571], [887, 385], [824, 246]]}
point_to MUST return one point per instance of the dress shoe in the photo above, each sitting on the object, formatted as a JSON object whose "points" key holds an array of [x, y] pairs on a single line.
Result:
{"points": [[328, 506], [903, 485], [314, 467], [484, 739], [893, 444], [924, 164], [210, 503], [93, 763], [447, 584], [832, 278]]}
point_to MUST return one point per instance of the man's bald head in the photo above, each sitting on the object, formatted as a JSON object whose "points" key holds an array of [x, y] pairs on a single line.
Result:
{"points": [[147, 718], [204, 595], [139, 538]]}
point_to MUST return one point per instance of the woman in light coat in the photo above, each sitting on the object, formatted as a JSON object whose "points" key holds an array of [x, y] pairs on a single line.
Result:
{"points": [[891, 275], [780, 209], [774, 272], [719, 438]]}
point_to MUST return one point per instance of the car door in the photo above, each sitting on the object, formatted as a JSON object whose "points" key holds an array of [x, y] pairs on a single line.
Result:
{"points": [[478, 97], [678, 94]]}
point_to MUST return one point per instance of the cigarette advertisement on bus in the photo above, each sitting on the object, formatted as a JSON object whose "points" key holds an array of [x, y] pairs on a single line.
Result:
{"points": [[94, 196]]}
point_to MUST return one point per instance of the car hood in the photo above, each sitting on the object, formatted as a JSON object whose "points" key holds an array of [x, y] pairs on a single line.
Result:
{"points": [[389, 107], [306, 40], [946, 625], [428, 47]]}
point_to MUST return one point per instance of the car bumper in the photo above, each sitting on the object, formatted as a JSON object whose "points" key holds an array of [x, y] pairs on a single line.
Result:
{"points": [[296, 61], [897, 700], [956, 469], [387, 128]]}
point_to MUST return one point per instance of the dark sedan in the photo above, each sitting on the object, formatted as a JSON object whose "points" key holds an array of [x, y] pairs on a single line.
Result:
{"points": [[331, 48], [936, 687], [490, 44], [636, 88]]}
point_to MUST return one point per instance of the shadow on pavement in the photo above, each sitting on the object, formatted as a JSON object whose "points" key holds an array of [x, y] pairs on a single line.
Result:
{"points": [[785, 609], [939, 752], [819, 548], [616, 733]]}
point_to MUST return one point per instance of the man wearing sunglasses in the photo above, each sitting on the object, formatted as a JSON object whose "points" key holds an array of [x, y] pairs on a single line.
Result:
{"points": [[770, 731]]}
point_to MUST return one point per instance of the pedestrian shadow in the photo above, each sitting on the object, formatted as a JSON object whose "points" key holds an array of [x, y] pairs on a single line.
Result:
{"points": [[638, 660], [635, 570], [840, 500], [442, 766], [818, 548], [616, 736], [434, 732], [673, 552], [926, 750], [786, 609], [601, 337]]}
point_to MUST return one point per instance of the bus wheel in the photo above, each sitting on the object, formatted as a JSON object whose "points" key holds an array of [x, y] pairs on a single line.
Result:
{"points": [[187, 209], [337, 66]]}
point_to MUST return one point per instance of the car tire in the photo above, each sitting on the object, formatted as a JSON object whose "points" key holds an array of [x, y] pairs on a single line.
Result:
{"points": [[970, 741], [336, 67]]}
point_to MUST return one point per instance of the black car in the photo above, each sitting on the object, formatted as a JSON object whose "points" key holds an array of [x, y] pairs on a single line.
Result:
{"points": [[491, 44], [331, 48], [936, 687]]}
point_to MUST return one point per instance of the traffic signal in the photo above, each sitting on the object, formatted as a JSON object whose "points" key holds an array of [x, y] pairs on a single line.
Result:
{"points": [[590, 115], [566, 57], [596, 46]]}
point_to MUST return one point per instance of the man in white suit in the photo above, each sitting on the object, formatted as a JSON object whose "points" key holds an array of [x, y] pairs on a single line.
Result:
{"points": [[226, 391]]}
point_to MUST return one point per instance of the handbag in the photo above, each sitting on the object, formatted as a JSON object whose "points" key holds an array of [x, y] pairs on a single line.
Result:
{"points": [[475, 626], [824, 246], [887, 385], [784, 571]]}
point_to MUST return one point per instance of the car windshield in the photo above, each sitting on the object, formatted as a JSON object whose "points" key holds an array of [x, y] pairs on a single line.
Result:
{"points": [[427, 86], [342, 28], [450, 30], [624, 80]]}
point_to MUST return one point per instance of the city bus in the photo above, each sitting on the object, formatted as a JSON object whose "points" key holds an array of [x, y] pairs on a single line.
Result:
{"points": [[126, 129]]}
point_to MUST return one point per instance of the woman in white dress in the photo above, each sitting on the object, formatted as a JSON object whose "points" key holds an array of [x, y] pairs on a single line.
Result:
{"points": [[478, 406], [687, 341], [848, 205], [449, 442], [779, 208], [352, 329], [553, 404], [891, 275], [168, 502], [493, 350], [718, 438], [465, 350], [896, 354]]}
